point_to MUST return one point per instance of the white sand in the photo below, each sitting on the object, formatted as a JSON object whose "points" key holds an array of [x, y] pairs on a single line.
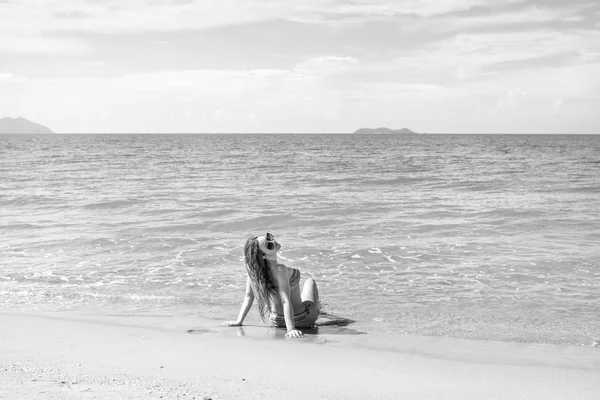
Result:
{"points": [[59, 356]]}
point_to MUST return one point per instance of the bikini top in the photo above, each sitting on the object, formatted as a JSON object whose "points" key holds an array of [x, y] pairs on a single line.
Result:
{"points": [[295, 277]]}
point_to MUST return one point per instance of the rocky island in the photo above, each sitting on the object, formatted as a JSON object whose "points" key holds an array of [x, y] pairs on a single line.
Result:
{"points": [[384, 131], [21, 126]]}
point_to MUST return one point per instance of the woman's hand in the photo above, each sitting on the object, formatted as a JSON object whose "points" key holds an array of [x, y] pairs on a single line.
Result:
{"points": [[295, 333], [233, 323]]}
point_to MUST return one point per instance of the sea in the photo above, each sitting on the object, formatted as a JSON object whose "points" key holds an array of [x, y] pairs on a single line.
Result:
{"points": [[487, 237]]}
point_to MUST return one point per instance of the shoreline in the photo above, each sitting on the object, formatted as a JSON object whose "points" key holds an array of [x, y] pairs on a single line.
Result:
{"points": [[52, 355]]}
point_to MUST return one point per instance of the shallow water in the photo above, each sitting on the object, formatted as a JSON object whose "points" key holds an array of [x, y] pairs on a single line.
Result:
{"points": [[469, 236]]}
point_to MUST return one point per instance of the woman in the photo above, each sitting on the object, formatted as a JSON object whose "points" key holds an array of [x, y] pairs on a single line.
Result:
{"points": [[277, 289]]}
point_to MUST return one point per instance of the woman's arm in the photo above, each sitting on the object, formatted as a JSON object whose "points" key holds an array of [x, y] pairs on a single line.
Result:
{"points": [[246, 305], [283, 283]]}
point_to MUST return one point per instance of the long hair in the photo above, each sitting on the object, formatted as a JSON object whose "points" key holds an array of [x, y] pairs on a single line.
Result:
{"points": [[263, 285]]}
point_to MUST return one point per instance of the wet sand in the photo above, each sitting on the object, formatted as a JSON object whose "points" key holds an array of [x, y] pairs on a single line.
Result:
{"points": [[66, 356]]}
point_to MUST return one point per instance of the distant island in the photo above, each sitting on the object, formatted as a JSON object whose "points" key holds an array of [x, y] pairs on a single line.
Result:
{"points": [[385, 131], [21, 126]]}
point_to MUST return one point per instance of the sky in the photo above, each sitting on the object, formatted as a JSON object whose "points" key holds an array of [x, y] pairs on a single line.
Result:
{"points": [[302, 66]]}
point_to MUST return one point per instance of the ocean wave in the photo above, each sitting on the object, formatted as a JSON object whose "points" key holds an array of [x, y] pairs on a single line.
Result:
{"points": [[400, 181], [117, 203], [33, 199], [245, 224], [20, 226]]}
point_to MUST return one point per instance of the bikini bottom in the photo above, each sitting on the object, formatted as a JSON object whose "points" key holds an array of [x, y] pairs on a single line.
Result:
{"points": [[300, 318]]}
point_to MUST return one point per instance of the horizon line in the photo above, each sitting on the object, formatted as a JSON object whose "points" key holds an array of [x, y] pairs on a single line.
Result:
{"points": [[302, 133]]}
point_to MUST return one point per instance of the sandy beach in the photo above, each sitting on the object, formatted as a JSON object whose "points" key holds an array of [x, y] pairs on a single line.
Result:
{"points": [[62, 356]]}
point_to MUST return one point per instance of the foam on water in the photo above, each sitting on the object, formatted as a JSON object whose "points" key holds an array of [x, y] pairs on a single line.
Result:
{"points": [[488, 237]]}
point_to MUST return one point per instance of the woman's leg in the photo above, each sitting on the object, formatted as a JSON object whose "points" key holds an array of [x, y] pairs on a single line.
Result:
{"points": [[310, 298], [310, 293]]}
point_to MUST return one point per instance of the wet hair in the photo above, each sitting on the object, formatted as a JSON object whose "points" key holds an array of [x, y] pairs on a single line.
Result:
{"points": [[263, 285]]}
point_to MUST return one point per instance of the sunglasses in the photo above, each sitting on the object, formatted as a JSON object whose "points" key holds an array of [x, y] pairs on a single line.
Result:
{"points": [[270, 241]]}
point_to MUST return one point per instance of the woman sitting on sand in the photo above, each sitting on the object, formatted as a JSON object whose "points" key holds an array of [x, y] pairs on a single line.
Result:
{"points": [[277, 289]]}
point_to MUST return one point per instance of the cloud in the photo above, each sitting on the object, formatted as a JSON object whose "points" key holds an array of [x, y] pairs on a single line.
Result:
{"points": [[34, 26], [557, 103], [127, 16], [146, 101], [110, 16], [388, 8], [475, 56], [51, 26], [94, 64], [435, 15], [523, 14], [210, 100], [322, 67], [7, 77], [37, 44]]}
